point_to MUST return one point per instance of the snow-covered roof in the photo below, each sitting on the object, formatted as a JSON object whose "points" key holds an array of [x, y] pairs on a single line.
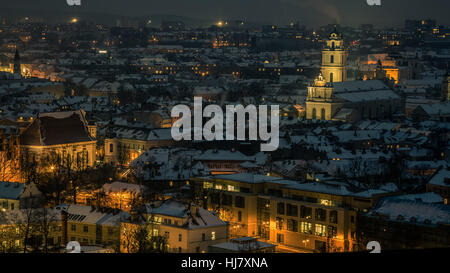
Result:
{"points": [[92, 215], [412, 211], [193, 215], [441, 178]]}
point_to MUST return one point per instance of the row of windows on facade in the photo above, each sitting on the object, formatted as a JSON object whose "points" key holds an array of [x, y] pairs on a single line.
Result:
{"points": [[128, 146], [307, 213], [209, 185], [227, 200], [180, 236], [86, 229], [307, 228]]}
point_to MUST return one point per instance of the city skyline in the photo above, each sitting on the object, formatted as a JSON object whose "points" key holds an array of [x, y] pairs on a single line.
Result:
{"points": [[308, 12]]}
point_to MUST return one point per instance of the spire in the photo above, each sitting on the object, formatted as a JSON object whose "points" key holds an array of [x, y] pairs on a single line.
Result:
{"points": [[16, 62], [16, 55]]}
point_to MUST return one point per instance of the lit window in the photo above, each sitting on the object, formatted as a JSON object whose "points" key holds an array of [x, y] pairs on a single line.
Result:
{"points": [[320, 230], [213, 235], [306, 227]]}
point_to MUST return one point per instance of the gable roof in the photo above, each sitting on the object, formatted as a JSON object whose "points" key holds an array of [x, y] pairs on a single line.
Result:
{"points": [[57, 128]]}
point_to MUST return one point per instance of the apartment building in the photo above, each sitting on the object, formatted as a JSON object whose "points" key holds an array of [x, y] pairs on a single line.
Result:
{"points": [[318, 216], [90, 225], [186, 227]]}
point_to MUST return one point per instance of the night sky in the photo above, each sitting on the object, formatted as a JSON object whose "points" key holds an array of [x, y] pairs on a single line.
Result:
{"points": [[309, 12]]}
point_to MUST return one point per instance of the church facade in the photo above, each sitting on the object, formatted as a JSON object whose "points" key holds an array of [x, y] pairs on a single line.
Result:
{"points": [[331, 97]]}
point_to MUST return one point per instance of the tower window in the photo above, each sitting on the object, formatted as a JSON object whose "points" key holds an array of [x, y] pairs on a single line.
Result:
{"points": [[332, 45], [332, 59], [331, 77], [314, 113], [323, 114]]}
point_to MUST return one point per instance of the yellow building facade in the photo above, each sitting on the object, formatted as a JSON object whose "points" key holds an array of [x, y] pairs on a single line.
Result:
{"points": [[310, 217], [334, 59]]}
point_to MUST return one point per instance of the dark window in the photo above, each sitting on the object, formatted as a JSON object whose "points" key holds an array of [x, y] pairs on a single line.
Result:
{"points": [[227, 200], [73, 227], [245, 190], [311, 200], [180, 237], [85, 229], [332, 59], [280, 222], [306, 212], [332, 231], [275, 192], [292, 225], [321, 214], [280, 238], [203, 237], [297, 197], [111, 148], [333, 217], [352, 219], [280, 208], [291, 210], [239, 216], [214, 198], [239, 202]]}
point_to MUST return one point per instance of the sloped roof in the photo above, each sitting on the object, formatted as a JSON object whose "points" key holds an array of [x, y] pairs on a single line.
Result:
{"points": [[11, 190], [56, 128]]}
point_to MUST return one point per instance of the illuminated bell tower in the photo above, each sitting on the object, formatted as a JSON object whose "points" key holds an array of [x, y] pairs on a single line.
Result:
{"points": [[334, 58]]}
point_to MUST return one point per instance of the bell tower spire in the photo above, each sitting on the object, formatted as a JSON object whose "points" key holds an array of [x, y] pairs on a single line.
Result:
{"points": [[17, 63]]}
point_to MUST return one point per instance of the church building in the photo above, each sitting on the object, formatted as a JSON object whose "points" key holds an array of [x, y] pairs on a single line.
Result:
{"points": [[331, 97]]}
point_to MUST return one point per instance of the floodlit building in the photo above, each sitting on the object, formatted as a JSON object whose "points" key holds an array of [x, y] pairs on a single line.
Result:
{"points": [[306, 216], [187, 227], [90, 225], [66, 134], [331, 97], [334, 58]]}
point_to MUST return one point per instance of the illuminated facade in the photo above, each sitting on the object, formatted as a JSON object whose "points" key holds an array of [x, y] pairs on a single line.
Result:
{"points": [[186, 228], [308, 217], [334, 59], [44, 138], [116, 195]]}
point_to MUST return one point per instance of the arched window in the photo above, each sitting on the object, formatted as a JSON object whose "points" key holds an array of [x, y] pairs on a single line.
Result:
{"points": [[331, 77], [322, 115], [314, 113], [332, 59], [332, 45]]}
